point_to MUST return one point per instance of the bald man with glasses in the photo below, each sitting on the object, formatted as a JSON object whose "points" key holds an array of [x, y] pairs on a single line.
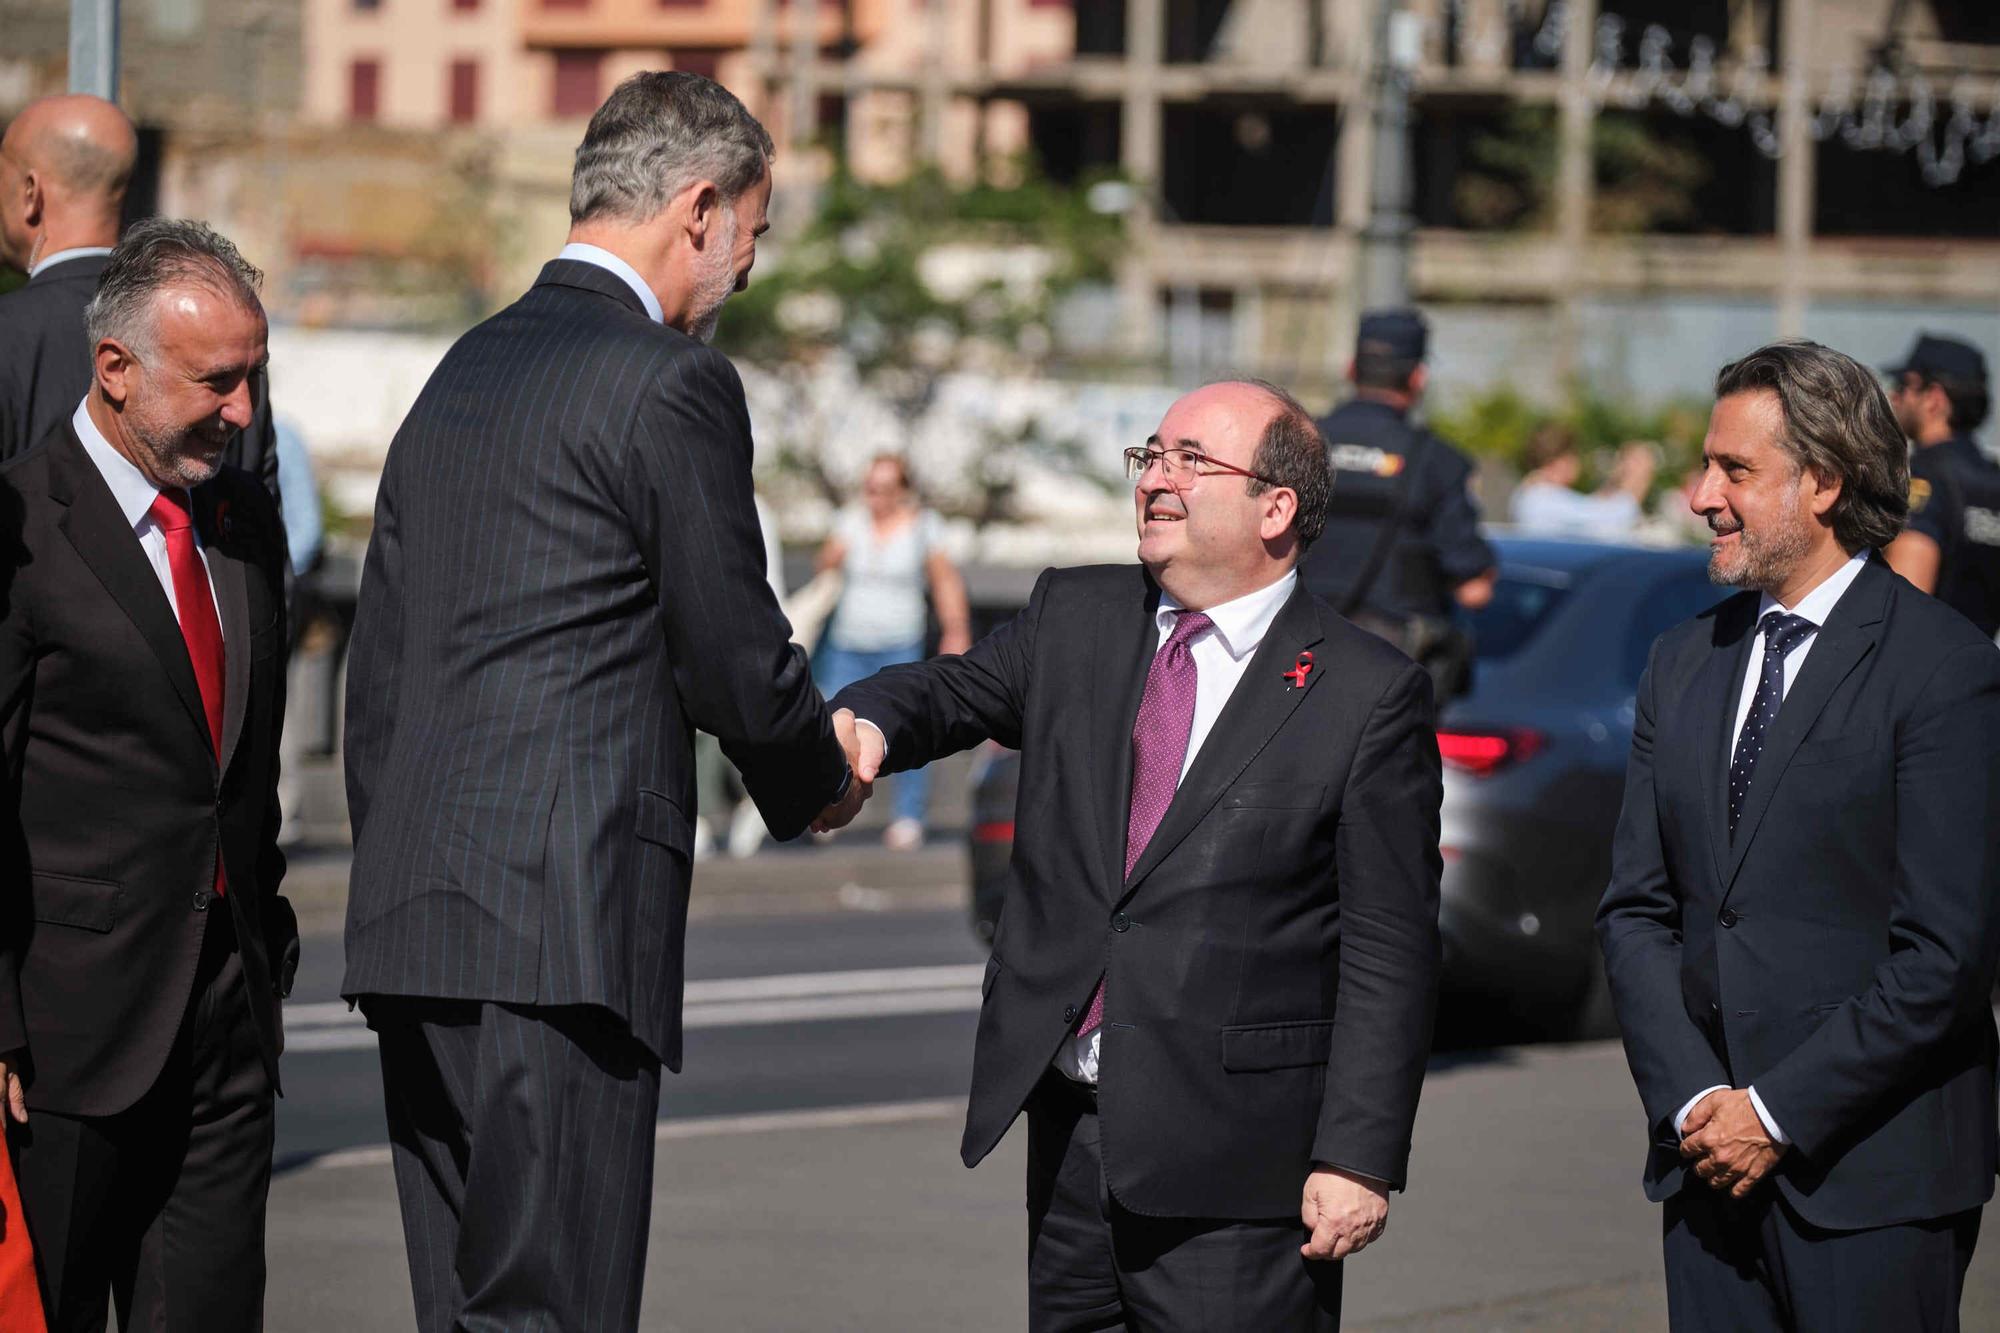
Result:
{"points": [[1214, 977]]}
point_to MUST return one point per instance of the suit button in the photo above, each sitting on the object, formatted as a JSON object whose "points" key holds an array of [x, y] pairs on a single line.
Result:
{"points": [[1727, 917], [1120, 922], [202, 898], [1069, 1013]]}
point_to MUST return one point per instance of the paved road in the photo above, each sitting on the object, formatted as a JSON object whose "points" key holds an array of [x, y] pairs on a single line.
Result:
{"points": [[808, 1174]]}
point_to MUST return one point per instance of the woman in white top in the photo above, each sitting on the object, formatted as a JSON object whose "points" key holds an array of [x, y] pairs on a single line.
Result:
{"points": [[887, 549]]}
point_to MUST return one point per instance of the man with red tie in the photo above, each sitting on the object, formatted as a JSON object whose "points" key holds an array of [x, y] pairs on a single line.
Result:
{"points": [[143, 945], [1214, 977]]}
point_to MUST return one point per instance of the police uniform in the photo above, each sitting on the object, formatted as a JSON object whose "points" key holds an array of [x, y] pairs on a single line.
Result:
{"points": [[1390, 473], [1955, 501]]}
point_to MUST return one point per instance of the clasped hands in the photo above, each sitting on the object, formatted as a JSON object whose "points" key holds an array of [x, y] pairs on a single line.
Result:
{"points": [[1726, 1142], [863, 745]]}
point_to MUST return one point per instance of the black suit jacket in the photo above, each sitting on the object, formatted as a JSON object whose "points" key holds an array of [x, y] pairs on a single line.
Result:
{"points": [[1839, 953], [1271, 961], [45, 369], [566, 579], [114, 798]]}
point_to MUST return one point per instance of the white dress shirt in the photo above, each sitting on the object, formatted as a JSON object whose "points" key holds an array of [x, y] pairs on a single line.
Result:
{"points": [[135, 496], [64, 256], [1221, 653], [604, 259], [1815, 606]]}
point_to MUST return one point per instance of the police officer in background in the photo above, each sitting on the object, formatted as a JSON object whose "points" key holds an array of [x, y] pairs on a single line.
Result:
{"points": [[1951, 547], [1402, 542]]}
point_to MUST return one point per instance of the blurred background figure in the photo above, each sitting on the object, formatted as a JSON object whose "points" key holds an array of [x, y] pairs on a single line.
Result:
{"points": [[64, 165], [1402, 544], [304, 537], [887, 550], [1952, 546], [1547, 502]]}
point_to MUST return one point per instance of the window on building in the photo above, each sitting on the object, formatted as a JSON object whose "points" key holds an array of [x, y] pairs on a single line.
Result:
{"points": [[364, 90], [578, 82], [465, 6], [463, 97], [367, 6], [695, 60]]}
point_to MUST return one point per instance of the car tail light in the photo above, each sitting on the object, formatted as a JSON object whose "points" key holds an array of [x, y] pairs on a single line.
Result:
{"points": [[999, 830], [1484, 752]]}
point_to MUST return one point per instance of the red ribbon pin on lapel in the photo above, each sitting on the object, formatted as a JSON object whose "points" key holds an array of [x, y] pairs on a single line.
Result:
{"points": [[1297, 675]]}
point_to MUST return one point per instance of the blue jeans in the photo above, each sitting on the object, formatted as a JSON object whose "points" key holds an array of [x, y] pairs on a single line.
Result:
{"points": [[834, 669]]}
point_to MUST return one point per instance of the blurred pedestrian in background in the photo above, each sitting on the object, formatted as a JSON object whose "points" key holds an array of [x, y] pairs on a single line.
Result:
{"points": [[146, 946], [887, 550], [304, 530], [1547, 502], [1804, 909], [1402, 545], [64, 165], [1952, 546]]}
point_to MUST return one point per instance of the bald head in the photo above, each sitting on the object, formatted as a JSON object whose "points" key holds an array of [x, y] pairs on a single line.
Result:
{"points": [[64, 164]]}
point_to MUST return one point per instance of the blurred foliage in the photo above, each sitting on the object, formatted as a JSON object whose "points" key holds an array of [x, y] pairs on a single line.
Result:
{"points": [[1498, 424], [1645, 182]]}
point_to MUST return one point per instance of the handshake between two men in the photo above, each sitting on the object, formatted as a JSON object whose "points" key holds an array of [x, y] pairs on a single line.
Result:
{"points": [[862, 743]]}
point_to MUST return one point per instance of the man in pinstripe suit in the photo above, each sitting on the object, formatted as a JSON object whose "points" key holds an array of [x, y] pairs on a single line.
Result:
{"points": [[566, 578]]}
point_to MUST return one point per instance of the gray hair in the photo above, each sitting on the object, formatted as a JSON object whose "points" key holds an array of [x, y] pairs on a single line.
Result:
{"points": [[1838, 422], [657, 134], [156, 254], [1293, 454]]}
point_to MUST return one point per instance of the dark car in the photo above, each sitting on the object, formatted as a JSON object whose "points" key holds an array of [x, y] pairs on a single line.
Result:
{"points": [[1534, 762]]}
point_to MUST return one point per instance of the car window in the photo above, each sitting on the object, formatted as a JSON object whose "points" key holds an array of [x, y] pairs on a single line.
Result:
{"points": [[1522, 603], [1680, 596]]}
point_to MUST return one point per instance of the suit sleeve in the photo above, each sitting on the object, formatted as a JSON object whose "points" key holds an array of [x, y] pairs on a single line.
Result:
{"points": [[1944, 918], [374, 656], [17, 675], [689, 500], [1639, 929], [1387, 860], [281, 923], [930, 709]]}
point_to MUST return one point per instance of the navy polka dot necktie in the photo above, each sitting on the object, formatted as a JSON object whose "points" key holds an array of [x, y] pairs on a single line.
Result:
{"points": [[1782, 633]]}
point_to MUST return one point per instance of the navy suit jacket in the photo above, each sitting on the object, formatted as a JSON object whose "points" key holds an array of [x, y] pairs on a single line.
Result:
{"points": [[1838, 953], [566, 578], [1272, 959]]}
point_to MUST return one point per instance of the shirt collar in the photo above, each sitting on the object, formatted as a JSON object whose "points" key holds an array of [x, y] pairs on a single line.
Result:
{"points": [[64, 256], [129, 487], [1818, 604], [1241, 623], [604, 259]]}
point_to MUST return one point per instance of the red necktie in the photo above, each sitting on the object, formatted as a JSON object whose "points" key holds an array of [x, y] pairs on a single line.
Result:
{"points": [[196, 604]]}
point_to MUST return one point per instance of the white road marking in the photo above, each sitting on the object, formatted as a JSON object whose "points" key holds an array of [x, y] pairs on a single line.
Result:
{"points": [[695, 1127], [797, 997]]}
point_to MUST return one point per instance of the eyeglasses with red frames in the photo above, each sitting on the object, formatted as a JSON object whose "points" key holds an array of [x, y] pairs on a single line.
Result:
{"points": [[1181, 466]]}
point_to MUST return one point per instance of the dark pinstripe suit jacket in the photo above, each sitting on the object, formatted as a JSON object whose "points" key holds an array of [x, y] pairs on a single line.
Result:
{"points": [[566, 578]]}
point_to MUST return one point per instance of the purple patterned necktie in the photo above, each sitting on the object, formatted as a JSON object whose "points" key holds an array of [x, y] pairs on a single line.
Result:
{"points": [[1159, 749]]}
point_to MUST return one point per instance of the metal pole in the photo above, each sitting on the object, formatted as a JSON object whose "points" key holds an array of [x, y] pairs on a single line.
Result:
{"points": [[93, 47], [1385, 253]]}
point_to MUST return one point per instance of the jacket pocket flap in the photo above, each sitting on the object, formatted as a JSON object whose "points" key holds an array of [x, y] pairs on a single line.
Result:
{"points": [[661, 822], [1277, 1045], [1275, 796], [69, 900]]}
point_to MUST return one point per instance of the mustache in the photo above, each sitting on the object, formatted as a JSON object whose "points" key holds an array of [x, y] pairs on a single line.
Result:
{"points": [[1722, 527]]}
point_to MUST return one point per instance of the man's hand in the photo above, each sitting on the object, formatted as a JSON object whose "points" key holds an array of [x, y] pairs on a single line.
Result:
{"points": [[1344, 1212], [15, 1095], [863, 746], [1727, 1143]]}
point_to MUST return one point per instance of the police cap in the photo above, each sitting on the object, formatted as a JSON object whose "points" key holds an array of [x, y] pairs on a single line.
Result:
{"points": [[1392, 335], [1942, 358]]}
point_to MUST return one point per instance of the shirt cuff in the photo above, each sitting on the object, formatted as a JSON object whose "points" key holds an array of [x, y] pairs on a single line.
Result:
{"points": [[864, 722], [1680, 1116], [1770, 1125]]}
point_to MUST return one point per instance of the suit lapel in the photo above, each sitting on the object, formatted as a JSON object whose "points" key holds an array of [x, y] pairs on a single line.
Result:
{"points": [[96, 527], [232, 607], [1126, 643], [1714, 696], [1260, 704], [1838, 647]]}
